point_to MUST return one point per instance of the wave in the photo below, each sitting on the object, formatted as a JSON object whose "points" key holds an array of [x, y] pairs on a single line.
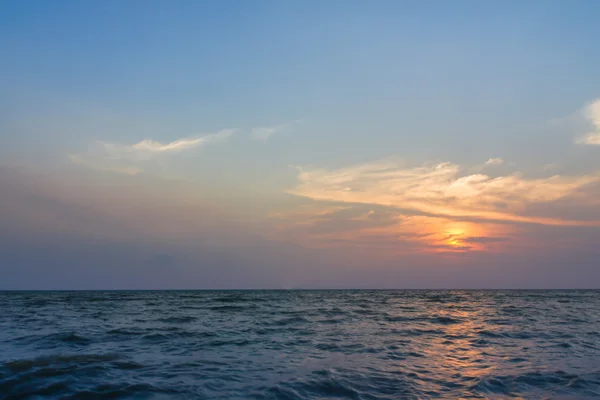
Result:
{"points": [[177, 320], [80, 359], [300, 345], [445, 320], [540, 383], [232, 308]]}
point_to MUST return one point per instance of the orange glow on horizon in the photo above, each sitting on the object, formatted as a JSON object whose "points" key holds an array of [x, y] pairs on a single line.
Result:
{"points": [[407, 234], [441, 235]]}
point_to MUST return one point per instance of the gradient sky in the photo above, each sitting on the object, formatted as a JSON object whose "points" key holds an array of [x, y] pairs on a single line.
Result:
{"points": [[299, 144]]}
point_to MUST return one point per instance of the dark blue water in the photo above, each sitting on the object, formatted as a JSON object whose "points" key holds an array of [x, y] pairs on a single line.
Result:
{"points": [[300, 344]]}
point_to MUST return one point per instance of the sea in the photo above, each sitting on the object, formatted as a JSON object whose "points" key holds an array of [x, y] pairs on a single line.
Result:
{"points": [[300, 344]]}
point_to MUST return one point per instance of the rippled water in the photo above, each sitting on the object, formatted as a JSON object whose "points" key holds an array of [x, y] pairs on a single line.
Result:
{"points": [[300, 344]]}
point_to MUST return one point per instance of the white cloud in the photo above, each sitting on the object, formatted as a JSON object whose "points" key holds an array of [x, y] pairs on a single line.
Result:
{"points": [[591, 139], [490, 163], [442, 190], [264, 133], [592, 113], [131, 159], [180, 144], [494, 161], [149, 148]]}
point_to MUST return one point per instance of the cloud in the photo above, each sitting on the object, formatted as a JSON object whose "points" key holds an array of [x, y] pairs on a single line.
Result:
{"points": [[494, 161], [78, 232], [149, 148], [264, 133], [390, 230], [490, 163], [441, 190], [484, 239], [136, 158], [181, 144], [592, 114]]}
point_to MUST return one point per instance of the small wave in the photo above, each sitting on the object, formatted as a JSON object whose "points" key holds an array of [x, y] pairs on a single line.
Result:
{"points": [[290, 321], [445, 320], [490, 334], [518, 360], [236, 298], [511, 310], [364, 311], [20, 390], [509, 385], [123, 390], [398, 318], [398, 355], [156, 336], [99, 299], [177, 320], [333, 312], [512, 334], [124, 331], [563, 345], [37, 303], [328, 347], [437, 299], [54, 339], [235, 342], [231, 308], [330, 388], [416, 332], [126, 365], [81, 359], [330, 320], [70, 338]]}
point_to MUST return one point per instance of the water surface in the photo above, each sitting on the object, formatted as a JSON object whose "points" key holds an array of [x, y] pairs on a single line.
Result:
{"points": [[300, 344]]}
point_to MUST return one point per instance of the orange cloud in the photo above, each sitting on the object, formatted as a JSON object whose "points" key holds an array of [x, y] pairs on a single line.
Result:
{"points": [[388, 231], [440, 190]]}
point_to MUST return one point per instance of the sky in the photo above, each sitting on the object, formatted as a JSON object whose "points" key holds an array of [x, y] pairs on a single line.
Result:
{"points": [[299, 144]]}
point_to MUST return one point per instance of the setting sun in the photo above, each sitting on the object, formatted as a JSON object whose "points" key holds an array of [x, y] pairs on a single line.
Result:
{"points": [[455, 236], [443, 235]]}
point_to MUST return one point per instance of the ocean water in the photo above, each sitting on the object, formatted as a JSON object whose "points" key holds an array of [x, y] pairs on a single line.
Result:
{"points": [[300, 344]]}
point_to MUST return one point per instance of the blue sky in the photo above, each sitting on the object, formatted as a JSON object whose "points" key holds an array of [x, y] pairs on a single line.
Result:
{"points": [[427, 136]]}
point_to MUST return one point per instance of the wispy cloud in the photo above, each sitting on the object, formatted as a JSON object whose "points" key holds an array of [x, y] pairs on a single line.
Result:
{"points": [[132, 159], [149, 148], [490, 163], [441, 190], [592, 114], [178, 145], [265, 132], [494, 161]]}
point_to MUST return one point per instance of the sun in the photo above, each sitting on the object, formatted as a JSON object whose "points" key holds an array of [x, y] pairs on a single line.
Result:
{"points": [[455, 237], [443, 235]]}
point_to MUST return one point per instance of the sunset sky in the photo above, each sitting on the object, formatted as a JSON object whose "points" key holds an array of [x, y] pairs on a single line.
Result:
{"points": [[299, 144]]}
